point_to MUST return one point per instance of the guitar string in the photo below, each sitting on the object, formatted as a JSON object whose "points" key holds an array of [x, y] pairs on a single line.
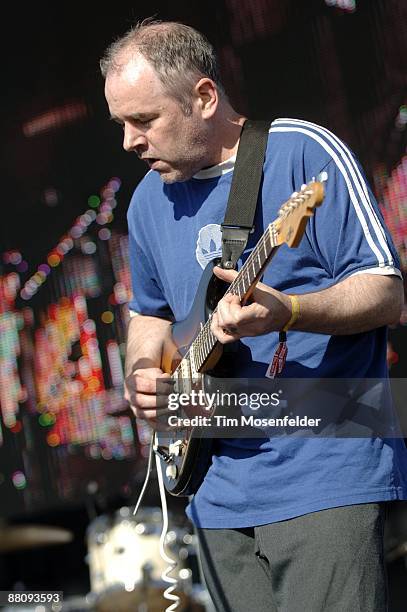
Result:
{"points": [[205, 338], [205, 341]]}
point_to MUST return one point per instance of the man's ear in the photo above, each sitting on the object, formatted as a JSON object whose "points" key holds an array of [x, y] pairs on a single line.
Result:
{"points": [[207, 97]]}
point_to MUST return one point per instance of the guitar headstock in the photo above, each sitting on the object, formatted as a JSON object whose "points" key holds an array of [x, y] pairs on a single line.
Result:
{"points": [[294, 214]]}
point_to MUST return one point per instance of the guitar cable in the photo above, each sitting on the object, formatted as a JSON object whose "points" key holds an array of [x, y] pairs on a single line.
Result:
{"points": [[147, 478], [172, 563]]}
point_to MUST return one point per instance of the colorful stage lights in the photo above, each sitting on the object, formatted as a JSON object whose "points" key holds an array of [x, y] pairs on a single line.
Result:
{"points": [[55, 118], [107, 317], [394, 205], [19, 480], [106, 203], [104, 233]]}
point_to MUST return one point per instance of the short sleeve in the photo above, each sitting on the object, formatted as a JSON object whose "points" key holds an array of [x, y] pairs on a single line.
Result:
{"points": [[148, 297], [347, 232]]}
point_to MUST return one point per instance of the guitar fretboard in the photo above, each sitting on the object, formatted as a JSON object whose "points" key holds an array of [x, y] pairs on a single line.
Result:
{"points": [[309, 196], [243, 284]]}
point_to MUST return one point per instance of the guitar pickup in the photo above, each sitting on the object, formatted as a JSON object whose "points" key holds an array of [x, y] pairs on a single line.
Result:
{"points": [[163, 455]]}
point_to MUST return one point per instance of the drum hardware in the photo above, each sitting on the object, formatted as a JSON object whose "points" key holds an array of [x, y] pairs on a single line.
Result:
{"points": [[125, 565], [185, 580]]}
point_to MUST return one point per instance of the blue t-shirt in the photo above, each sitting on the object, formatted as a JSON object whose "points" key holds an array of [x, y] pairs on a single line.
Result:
{"points": [[174, 231]]}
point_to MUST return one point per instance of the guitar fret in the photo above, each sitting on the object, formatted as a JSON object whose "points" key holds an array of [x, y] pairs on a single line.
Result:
{"points": [[197, 354], [192, 361], [263, 254], [213, 340], [234, 288], [244, 285], [239, 289], [206, 344], [266, 251], [254, 270], [271, 237], [201, 357], [186, 375], [268, 243], [202, 353]]}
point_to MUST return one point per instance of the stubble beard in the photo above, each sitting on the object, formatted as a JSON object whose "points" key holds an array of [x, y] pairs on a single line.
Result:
{"points": [[197, 143], [178, 175]]}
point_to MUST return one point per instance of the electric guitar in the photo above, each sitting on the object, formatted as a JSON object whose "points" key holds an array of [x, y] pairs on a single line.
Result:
{"points": [[195, 353]]}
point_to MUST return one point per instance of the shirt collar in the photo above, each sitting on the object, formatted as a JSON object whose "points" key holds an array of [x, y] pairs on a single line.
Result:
{"points": [[218, 170]]}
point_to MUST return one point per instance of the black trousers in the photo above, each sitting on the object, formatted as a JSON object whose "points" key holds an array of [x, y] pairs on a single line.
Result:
{"points": [[327, 561]]}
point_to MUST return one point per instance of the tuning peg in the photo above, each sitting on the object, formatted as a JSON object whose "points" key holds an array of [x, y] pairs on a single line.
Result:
{"points": [[322, 177]]}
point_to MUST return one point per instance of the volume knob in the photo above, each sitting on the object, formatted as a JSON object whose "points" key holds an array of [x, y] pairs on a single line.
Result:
{"points": [[171, 471], [175, 448]]}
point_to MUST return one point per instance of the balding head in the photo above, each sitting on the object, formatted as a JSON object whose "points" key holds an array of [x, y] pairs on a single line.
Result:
{"points": [[179, 54]]}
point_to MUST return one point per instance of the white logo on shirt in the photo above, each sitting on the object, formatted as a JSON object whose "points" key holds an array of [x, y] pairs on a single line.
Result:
{"points": [[209, 244]]}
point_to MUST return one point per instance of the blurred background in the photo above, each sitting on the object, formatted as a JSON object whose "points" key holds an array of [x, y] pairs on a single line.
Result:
{"points": [[72, 459]]}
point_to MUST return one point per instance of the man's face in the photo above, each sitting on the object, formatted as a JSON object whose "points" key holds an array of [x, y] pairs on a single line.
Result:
{"points": [[154, 124]]}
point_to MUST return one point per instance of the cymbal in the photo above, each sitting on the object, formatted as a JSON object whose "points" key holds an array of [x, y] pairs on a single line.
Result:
{"points": [[20, 537]]}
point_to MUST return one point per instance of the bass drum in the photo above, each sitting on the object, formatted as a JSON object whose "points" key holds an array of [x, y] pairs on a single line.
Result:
{"points": [[125, 565]]}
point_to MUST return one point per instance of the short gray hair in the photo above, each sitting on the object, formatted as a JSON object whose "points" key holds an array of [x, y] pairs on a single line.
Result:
{"points": [[179, 54]]}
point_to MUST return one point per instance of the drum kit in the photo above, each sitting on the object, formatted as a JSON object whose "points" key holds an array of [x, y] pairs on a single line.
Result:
{"points": [[125, 566]]}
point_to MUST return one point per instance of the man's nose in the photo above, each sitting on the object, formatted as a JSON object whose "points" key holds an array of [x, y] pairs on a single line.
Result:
{"points": [[133, 139]]}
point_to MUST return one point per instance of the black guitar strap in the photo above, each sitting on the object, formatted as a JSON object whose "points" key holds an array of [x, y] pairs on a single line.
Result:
{"points": [[244, 191]]}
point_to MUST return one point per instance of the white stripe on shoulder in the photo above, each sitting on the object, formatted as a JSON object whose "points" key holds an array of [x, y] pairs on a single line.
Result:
{"points": [[353, 173], [352, 194], [383, 271], [133, 313], [346, 151]]}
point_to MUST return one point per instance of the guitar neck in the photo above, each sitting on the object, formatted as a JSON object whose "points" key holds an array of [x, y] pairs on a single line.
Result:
{"points": [[289, 227], [255, 265], [243, 286]]}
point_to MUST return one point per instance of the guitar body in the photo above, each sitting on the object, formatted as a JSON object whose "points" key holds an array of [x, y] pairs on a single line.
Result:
{"points": [[185, 472]]}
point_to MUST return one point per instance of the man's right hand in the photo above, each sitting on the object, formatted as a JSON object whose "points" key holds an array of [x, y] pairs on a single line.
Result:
{"points": [[147, 391]]}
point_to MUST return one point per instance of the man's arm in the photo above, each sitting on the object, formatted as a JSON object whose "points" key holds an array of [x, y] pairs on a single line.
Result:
{"points": [[357, 304], [145, 342], [146, 338]]}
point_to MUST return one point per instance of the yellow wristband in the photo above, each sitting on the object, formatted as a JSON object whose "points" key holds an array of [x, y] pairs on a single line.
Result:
{"points": [[295, 312]]}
